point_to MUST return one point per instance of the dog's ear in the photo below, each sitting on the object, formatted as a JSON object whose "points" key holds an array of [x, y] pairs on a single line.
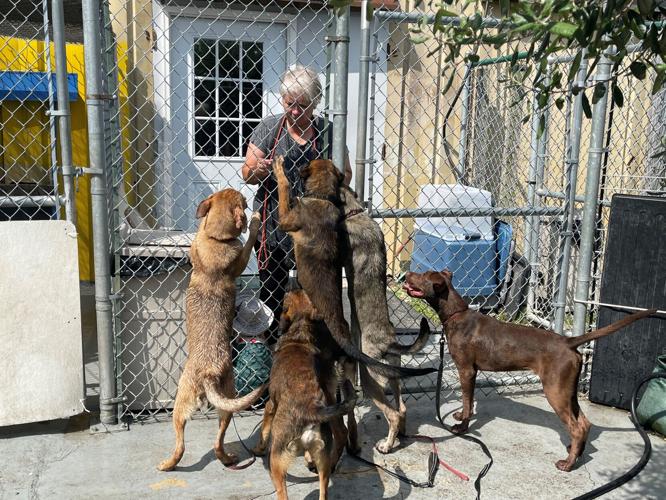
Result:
{"points": [[340, 174], [204, 207], [441, 288], [306, 172], [285, 322], [240, 218]]}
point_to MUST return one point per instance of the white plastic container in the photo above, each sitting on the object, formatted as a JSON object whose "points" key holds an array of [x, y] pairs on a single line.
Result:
{"points": [[436, 196]]}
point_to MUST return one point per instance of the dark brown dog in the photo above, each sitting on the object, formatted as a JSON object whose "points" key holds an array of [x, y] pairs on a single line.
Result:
{"points": [[218, 258], [313, 223], [480, 342], [301, 415], [364, 254]]}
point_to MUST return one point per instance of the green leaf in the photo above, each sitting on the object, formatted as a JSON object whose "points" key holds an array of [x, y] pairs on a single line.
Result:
{"points": [[542, 100], [575, 66], [559, 103], [638, 69], [646, 8], [521, 28], [542, 125], [658, 82], [618, 98], [587, 109], [599, 92], [564, 29], [449, 83], [417, 39]]}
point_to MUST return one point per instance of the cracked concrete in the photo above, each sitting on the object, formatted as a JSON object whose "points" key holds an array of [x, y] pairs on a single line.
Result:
{"points": [[62, 459]]}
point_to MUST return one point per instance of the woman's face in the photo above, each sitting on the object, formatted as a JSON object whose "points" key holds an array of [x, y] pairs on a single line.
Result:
{"points": [[298, 109]]}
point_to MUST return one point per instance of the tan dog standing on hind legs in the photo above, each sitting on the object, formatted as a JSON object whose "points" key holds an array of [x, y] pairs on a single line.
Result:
{"points": [[302, 415], [480, 342], [218, 257]]}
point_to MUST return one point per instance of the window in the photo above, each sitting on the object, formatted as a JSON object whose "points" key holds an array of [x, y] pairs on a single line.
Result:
{"points": [[228, 93]]}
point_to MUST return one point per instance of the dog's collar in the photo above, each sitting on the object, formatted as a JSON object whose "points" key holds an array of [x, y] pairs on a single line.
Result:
{"points": [[455, 314], [353, 212], [332, 198]]}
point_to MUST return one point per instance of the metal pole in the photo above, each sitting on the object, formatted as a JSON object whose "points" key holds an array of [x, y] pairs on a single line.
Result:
{"points": [[464, 123], [528, 250], [51, 111], [371, 118], [588, 229], [535, 261], [95, 108], [572, 161], [64, 114], [363, 79], [341, 54]]}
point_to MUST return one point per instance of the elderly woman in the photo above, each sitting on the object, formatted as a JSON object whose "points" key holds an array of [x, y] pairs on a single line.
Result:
{"points": [[299, 137]]}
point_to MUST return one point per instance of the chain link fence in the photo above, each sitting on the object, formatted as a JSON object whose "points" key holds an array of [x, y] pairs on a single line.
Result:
{"points": [[474, 158], [455, 176], [30, 181]]}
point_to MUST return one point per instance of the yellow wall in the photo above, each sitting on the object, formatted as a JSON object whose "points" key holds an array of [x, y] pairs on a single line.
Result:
{"points": [[25, 133]]}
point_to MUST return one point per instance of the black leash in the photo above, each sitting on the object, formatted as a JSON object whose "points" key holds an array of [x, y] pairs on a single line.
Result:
{"points": [[252, 458], [440, 372], [432, 471]]}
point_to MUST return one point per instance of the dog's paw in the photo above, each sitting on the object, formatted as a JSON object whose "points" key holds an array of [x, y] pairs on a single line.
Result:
{"points": [[460, 428], [255, 223], [384, 447], [227, 458], [278, 166], [166, 466], [564, 465], [353, 449]]}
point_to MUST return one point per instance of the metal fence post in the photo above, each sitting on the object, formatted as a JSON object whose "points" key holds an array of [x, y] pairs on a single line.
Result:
{"points": [[363, 80], [95, 112], [533, 222], [63, 112], [589, 226], [341, 55], [572, 161]]}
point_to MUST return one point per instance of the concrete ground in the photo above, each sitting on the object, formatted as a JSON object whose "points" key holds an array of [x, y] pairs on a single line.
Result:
{"points": [[62, 459]]}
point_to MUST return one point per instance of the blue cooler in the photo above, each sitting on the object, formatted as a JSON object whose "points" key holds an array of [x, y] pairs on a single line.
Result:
{"points": [[478, 265]]}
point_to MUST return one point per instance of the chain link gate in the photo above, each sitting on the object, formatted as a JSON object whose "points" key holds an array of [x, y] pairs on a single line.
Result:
{"points": [[508, 228], [190, 82], [35, 162]]}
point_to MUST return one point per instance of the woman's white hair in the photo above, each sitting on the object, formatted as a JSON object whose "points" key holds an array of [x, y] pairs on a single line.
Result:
{"points": [[301, 81]]}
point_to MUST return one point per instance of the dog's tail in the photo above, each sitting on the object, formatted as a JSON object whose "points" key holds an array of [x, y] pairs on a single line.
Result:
{"points": [[326, 413], [340, 332], [574, 342], [228, 404], [417, 345]]}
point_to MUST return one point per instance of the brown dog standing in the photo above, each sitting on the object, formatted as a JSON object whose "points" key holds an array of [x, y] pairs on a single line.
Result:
{"points": [[301, 415], [364, 254], [313, 223], [218, 258], [480, 342]]}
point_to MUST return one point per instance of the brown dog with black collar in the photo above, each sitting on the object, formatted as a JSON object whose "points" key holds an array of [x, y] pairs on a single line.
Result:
{"points": [[313, 222], [480, 342], [218, 257]]}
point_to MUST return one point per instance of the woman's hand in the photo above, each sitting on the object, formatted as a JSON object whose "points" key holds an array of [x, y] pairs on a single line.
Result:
{"points": [[256, 167]]}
